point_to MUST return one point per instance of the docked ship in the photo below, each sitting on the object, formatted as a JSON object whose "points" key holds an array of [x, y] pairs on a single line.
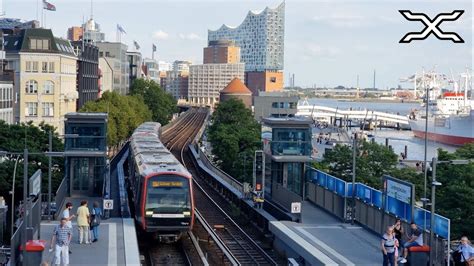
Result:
{"points": [[450, 116]]}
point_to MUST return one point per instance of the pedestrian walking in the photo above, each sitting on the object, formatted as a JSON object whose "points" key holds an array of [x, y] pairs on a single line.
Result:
{"points": [[83, 217], [66, 214], [96, 217], [388, 247], [62, 236]]}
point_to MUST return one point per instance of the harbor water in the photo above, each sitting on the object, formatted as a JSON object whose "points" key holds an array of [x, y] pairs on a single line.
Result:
{"points": [[397, 139]]}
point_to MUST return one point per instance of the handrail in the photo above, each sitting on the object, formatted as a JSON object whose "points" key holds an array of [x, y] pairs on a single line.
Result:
{"points": [[220, 243]]}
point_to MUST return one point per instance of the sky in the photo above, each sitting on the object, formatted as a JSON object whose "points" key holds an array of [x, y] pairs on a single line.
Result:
{"points": [[327, 43]]}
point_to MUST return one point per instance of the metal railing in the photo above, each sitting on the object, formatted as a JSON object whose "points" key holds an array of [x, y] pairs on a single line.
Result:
{"points": [[61, 194], [124, 209]]}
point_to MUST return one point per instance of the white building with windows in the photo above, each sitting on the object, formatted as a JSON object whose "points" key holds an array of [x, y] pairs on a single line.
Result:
{"points": [[207, 80], [44, 69], [260, 38]]}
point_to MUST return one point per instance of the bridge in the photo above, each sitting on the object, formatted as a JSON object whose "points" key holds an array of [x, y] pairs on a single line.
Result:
{"points": [[331, 115]]}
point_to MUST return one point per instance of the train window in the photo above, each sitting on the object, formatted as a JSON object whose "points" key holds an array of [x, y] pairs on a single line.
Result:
{"points": [[168, 194]]}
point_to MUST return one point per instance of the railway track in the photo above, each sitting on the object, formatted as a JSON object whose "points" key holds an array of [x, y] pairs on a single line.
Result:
{"points": [[168, 254], [234, 243]]}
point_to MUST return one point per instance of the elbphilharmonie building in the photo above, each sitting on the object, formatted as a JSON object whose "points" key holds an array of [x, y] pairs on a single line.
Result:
{"points": [[261, 40]]}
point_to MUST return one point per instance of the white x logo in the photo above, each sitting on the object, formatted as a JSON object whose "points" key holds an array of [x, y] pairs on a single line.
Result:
{"points": [[431, 26]]}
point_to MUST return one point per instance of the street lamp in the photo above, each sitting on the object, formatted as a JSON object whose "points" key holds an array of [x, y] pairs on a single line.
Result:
{"points": [[434, 184], [354, 155]]}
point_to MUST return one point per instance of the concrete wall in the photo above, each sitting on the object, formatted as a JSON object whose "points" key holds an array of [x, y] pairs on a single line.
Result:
{"points": [[264, 81], [328, 200]]}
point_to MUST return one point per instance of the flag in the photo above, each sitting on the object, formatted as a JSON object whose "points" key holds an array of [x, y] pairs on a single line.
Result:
{"points": [[153, 47], [119, 28], [136, 45], [48, 6]]}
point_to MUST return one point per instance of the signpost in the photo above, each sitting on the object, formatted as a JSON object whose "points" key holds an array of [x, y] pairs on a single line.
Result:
{"points": [[400, 190], [35, 183], [108, 204], [296, 208]]}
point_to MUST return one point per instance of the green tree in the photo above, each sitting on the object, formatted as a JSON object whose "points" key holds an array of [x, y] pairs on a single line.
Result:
{"points": [[454, 198], [372, 162], [161, 103], [234, 135], [125, 114], [14, 138]]}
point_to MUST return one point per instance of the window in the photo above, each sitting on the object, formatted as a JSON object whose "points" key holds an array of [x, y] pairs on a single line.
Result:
{"points": [[35, 67], [29, 66], [31, 86], [31, 109], [275, 105], [48, 87], [273, 79], [51, 67], [48, 109], [39, 44], [44, 67]]}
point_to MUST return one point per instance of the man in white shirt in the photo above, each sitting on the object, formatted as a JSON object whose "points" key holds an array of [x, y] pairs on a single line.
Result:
{"points": [[67, 215]]}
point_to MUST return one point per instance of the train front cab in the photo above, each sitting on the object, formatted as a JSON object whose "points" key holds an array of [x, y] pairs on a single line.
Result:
{"points": [[167, 210]]}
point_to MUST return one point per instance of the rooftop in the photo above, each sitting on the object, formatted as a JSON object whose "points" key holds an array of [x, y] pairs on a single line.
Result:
{"points": [[236, 87]]}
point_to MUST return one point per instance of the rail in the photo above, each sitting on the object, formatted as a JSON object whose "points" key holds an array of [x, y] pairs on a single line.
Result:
{"points": [[61, 194], [219, 242], [124, 209]]}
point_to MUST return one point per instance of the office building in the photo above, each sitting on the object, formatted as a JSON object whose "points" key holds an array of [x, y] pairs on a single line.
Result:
{"points": [[180, 65], [75, 33], [221, 52], [275, 104], [261, 40], [177, 84], [87, 72], [115, 67], [236, 89], [207, 80], [6, 97], [135, 66], [151, 69], [165, 66], [44, 69], [92, 32]]}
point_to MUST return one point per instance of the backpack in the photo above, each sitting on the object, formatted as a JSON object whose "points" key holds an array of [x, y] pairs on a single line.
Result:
{"points": [[95, 217]]}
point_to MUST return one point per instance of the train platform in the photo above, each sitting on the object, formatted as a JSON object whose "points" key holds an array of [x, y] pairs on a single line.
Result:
{"points": [[117, 244], [321, 239]]}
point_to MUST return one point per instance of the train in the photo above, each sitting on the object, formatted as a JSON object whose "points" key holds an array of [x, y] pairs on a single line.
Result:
{"points": [[161, 187]]}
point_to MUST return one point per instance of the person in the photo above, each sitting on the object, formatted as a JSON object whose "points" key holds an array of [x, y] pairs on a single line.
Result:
{"points": [[466, 251], [398, 231], [62, 235], [66, 214], [96, 215], [83, 216], [415, 239], [388, 247]]}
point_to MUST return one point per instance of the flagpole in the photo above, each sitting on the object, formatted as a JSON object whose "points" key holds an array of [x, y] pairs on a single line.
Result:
{"points": [[37, 5]]}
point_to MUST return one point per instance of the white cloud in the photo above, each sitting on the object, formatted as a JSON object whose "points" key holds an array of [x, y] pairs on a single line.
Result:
{"points": [[191, 37], [160, 35], [341, 20]]}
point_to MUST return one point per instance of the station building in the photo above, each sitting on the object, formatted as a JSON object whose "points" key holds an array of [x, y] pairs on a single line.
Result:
{"points": [[287, 151], [85, 152]]}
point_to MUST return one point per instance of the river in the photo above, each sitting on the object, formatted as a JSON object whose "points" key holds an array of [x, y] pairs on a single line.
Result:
{"points": [[397, 139]]}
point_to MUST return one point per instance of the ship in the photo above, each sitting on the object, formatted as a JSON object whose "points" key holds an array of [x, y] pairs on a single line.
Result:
{"points": [[450, 114]]}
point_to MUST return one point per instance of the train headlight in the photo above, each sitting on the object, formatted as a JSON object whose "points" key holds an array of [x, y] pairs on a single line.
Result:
{"points": [[149, 213], [187, 213]]}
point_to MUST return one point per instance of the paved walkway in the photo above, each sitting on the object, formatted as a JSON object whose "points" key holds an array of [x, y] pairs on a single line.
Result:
{"points": [[323, 235]]}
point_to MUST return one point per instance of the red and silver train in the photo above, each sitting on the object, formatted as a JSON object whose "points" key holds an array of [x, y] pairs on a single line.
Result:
{"points": [[161, 186]]}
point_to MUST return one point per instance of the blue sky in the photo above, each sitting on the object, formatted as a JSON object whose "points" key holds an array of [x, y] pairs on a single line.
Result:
{"points": [[327, 43]]}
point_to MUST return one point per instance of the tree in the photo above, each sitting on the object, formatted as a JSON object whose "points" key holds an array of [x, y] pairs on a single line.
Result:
{"points": [[234, 136], [454, 198], [161, 103], [372, 162], [125, 114], [14, 138]]}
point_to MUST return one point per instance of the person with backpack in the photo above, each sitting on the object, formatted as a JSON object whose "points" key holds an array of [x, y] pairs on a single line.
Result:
{"points": [[96, 214]]}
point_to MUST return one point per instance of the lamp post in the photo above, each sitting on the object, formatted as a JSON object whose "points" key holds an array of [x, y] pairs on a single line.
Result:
{"points": [[13, 197], [354, 152]]}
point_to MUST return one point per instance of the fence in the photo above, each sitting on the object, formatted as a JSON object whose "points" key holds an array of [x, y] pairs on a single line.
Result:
{"points": [[33, 219], [332, 193]]}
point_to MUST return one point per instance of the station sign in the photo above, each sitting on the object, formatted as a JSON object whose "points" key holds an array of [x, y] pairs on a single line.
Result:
{"points": [[296, 207], [35, 183], [108, 204]]}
